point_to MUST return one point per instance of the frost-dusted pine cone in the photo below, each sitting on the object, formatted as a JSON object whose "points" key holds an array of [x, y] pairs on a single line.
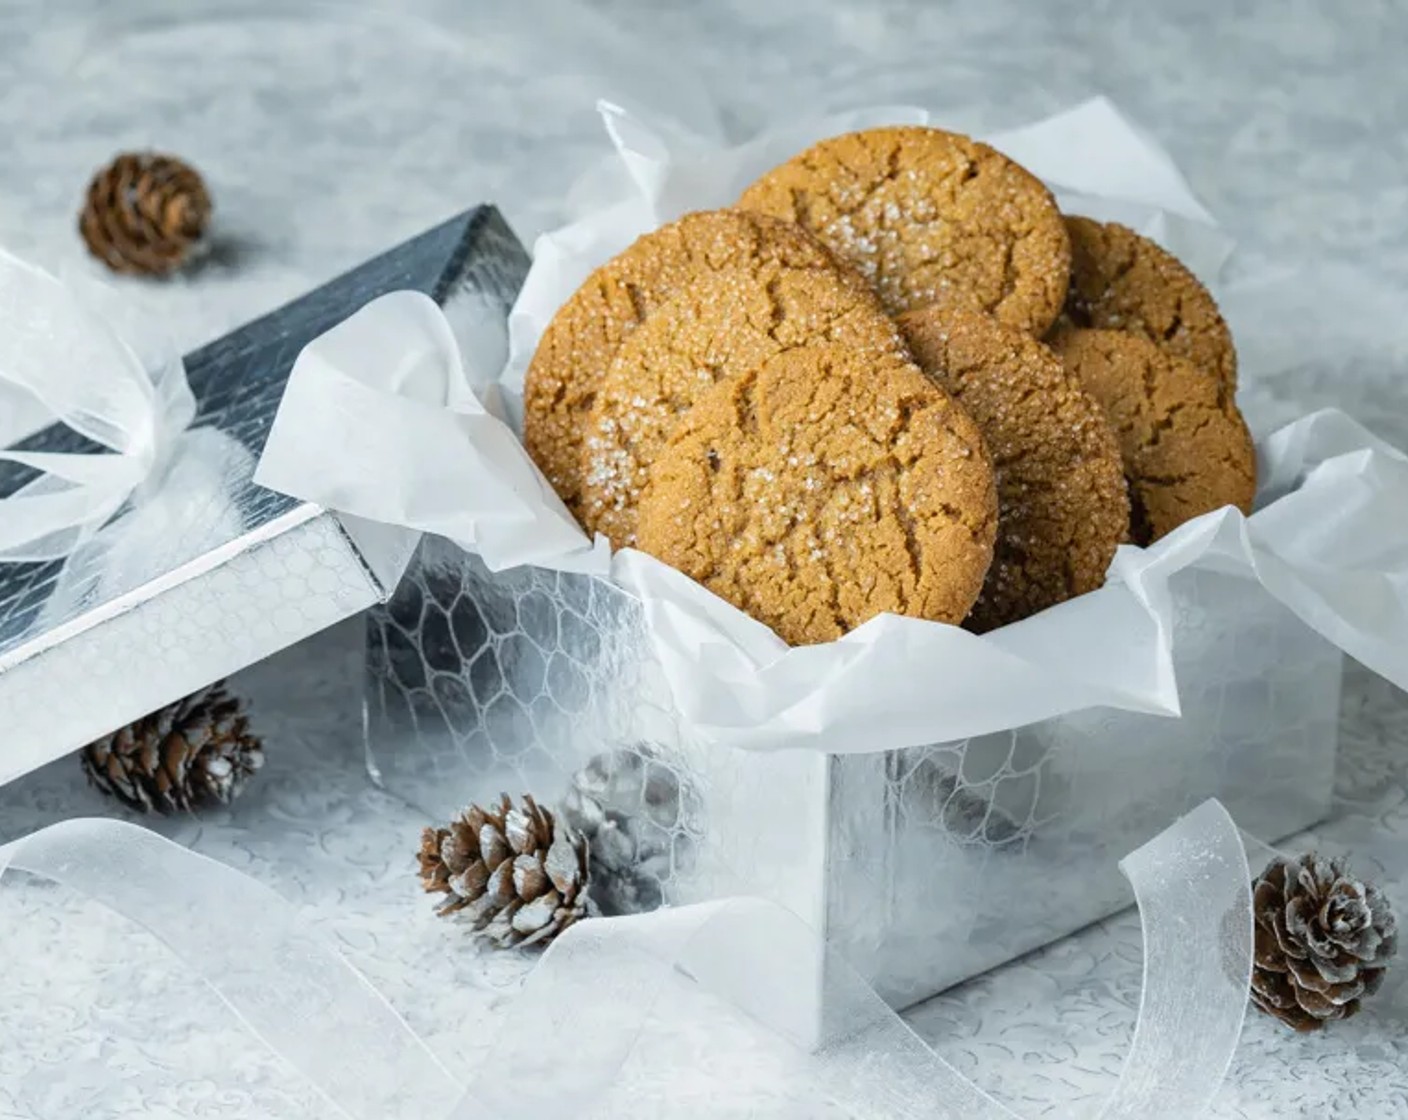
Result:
{"points": [[520, 875], [1322, 941], [640, 818], [145, 213], [195, 751]]}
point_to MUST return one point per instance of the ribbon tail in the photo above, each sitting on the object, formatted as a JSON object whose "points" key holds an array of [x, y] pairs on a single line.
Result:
{"points": [[653, 985], [45, 521], [291, 989], [1193, 888], [735, 1001]]}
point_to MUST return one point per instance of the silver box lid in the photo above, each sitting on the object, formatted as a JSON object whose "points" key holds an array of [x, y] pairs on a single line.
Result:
{"points": [[244, 572]]}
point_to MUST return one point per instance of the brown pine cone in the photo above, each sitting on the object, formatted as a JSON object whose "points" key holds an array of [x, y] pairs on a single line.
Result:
{"points": [[194, 751], [1322, 941], [520, 874], [145, 213]]}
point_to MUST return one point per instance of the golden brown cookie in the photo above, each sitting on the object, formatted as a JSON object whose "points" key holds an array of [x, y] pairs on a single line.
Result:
{"points": [[929, 216], [822, 488], [716, 327], [1062, 505], [587, 330], [1186, 448], [1124, 282]]}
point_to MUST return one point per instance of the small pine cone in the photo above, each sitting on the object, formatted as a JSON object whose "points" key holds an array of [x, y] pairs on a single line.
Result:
{"points": [[1322, 941], [195, 751], [519, 874], [145, 213], [641, 820]]}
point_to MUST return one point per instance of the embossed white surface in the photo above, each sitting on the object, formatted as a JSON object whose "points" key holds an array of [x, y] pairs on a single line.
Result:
{"points": [[1284, 115]]}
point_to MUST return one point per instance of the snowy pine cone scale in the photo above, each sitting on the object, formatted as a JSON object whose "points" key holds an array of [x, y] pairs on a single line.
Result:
{"points": [[517, 873]]}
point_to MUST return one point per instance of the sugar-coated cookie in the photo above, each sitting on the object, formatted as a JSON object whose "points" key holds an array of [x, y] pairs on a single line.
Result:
{"points": [[584, 335], [821, 489], [716, 327], [929, 216], [1125, 282], [1185, 446], [1062, 504]]}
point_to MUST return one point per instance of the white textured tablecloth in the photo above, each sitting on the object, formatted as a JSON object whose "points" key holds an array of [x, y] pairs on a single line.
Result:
{"points": [[328, 133]]}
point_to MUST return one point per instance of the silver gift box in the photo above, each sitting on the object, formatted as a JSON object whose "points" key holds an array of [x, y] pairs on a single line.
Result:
{"points": [[90, 644], [923, 866]]}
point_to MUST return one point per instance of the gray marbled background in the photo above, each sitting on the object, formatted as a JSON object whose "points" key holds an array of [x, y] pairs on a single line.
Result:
{"points": [[329, 131], [334, 128]]}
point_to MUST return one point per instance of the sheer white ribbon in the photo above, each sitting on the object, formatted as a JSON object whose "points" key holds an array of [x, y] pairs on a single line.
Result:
{"points": [[68, 358], [734, 1003]]}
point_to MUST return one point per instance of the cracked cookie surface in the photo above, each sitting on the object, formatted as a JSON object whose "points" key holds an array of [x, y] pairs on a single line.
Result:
{"points": [[821, 489], [1062, 504], [1185, 446], [929, 216], [583, 337], [715, 328], [1123, 281]]}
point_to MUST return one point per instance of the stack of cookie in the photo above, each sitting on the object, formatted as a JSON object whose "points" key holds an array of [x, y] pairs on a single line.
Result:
{"points": [[893, 378]]}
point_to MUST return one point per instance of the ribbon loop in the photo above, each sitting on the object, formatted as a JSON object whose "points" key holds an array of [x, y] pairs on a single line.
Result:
{"points": [[61, 353]]}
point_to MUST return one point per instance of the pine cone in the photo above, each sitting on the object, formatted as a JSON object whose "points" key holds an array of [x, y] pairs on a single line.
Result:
{"points": [[640, 821], [521, 875], [145, 213], [194, 751], [1322, 941]]}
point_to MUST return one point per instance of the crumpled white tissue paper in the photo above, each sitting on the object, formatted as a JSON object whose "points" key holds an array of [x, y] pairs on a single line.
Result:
{"points": [[1328, 538]]}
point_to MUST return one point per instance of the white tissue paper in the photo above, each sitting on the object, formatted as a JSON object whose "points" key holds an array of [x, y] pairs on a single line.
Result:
{"points": [[1327, 539]]}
